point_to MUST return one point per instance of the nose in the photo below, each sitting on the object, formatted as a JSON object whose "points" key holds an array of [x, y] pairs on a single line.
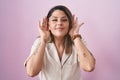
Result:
{"points": [[59, 22]]}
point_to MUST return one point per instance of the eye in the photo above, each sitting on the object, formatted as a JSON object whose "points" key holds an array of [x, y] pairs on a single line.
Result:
{"points": [[64, 20], [54, 19]]}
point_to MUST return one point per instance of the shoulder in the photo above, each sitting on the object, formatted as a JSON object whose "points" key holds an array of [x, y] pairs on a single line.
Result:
{"points": [[36, 41]]}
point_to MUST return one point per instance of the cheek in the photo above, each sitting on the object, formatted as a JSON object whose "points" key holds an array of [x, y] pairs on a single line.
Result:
{"points": [[51, 29], [68, 27], [50, 26]]}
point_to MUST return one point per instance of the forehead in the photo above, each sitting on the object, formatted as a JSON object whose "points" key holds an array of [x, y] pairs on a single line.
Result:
{"points": [[58, 13]]}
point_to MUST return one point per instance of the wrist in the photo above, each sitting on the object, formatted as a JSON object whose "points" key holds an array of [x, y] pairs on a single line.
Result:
{"points": [[46, 40], [74, 36], [42, 40]]}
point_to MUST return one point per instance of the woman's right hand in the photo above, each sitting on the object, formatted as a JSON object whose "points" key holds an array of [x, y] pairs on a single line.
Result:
{"points": [[44, 30]]}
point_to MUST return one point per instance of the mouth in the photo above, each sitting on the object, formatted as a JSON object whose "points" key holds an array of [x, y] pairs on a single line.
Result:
{"points": [[59, 28]]}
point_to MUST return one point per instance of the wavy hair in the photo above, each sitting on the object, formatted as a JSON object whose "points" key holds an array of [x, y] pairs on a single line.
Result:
{"points": [[68, 40]]}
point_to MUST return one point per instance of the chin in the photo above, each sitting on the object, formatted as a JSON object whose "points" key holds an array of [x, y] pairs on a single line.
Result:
{"points": [[60, 35]]}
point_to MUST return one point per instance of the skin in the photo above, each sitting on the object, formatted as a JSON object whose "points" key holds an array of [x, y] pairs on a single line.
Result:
{"points": [[58, 24]]}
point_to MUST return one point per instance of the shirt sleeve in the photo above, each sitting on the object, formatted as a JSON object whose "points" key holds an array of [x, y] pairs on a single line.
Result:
{"points": [[33, 49]]}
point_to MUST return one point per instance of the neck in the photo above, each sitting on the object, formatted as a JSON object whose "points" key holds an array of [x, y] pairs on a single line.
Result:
{"points": [[59, 41]]}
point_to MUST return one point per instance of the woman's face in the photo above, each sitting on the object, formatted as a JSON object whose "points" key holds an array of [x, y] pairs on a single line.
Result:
{"points": [[58, 23]]}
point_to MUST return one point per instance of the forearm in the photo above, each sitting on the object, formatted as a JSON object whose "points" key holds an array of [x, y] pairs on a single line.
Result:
{"points": [[87, 60], [34, 63]]}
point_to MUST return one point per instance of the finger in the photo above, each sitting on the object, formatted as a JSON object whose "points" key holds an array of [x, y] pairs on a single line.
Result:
{"points": [[39, 25], [45, 22], [81, 24], [78, 28], [76, 21], [73, 17], [78, 25]]}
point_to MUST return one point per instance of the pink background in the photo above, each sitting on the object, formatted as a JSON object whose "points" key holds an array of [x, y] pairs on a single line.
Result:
{"points": [[101, 31]]}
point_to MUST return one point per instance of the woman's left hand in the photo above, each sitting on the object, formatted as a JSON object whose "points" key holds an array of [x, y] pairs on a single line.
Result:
{"points": [[75, 26]]}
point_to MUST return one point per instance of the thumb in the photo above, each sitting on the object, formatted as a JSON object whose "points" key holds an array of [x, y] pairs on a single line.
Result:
{"points": [[81, 24]]}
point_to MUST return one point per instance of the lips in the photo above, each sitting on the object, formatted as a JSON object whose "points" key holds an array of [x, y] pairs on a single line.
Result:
{"points": [[59, 28]]}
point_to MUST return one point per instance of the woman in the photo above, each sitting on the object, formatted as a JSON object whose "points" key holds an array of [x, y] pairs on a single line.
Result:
{"points": [[59, 53]]}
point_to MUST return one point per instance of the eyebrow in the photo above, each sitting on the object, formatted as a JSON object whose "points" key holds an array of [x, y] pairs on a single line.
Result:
{"points": [[57, 17]]}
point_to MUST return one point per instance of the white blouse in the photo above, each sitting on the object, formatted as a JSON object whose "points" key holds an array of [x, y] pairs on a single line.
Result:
{"points": [[54, 69]]}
